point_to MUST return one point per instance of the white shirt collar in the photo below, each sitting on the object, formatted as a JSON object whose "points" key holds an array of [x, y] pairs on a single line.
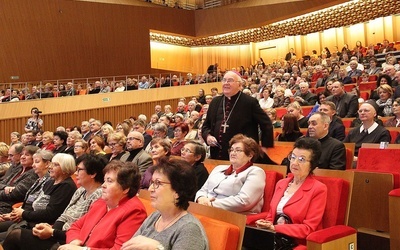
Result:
{"points": [[370, 129]]}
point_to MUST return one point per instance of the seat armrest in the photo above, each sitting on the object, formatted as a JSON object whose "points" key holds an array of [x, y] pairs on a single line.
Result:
{"points": [[252, 218], [395, 192], [331, 233]]}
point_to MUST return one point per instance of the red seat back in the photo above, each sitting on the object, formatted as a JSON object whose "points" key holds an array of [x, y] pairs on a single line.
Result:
{"points": [[271, 178], [367, 86], [380, 160], [337, 199]]}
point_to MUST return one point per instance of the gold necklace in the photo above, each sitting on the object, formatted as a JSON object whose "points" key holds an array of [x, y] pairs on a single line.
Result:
{"points": [[169, 223]]}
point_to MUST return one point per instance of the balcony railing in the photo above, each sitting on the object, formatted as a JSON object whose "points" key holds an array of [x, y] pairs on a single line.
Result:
{"points": [[92, 85]]}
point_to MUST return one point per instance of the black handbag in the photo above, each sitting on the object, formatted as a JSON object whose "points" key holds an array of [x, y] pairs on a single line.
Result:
{"points": [[282, 241]]}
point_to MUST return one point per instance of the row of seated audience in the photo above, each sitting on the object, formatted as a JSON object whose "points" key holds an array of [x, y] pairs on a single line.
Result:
{"points": [[104, 212], [118, 210], [335, 65]]}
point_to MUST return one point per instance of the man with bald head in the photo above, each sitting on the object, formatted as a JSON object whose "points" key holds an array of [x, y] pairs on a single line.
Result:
{"points": [[234, 113], [369, 131], [134, 145]]}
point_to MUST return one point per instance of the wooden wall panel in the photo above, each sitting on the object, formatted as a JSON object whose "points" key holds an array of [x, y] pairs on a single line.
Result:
{"points": [[46, 39]]}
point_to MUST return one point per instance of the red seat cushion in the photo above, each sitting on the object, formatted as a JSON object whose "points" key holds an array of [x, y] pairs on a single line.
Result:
{"points": [[332, 233]]}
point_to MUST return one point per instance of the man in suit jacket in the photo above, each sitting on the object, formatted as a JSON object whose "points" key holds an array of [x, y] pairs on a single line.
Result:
{"points": [[336, 127], [305, 97], [321, 82], [85, 129], [333, 154], [290, 55], [346, 104], [234, 113], [134, 144]]}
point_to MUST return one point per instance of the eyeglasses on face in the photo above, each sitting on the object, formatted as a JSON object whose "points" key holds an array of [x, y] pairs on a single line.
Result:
{"points": [[156, 183], [363, 111], [132, 138], [80, 169], [300, 159], [186, 150], [229, 80], [235, 150]]}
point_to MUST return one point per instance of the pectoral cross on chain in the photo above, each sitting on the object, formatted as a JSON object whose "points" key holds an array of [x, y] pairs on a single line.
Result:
{"points": [[224, 126]]}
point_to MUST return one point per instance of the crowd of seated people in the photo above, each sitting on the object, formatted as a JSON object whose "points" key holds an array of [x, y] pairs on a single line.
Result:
{"points": [[154, 145], [116, 209]]}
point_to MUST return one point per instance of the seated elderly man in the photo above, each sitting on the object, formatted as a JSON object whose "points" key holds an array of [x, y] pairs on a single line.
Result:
{"points": [[305, 97], [333, 151], [369, 131], [354, 71], [346, 103], [137, 155]]}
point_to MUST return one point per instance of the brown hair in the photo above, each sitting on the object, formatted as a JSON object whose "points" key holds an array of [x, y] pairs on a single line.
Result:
{"points": [[290, 124], [250, 146]]}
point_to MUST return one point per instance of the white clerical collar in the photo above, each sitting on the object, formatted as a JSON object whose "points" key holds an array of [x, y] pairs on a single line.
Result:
{"points": [[370, 129]]}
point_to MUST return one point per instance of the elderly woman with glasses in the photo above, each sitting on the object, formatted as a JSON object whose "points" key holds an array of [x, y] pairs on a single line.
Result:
{"points": [[238, 187], [115, 217], [194, 153], [170, 226], [80, 148], [299, 201], [89, 176], [117, 142], [159, 148]]}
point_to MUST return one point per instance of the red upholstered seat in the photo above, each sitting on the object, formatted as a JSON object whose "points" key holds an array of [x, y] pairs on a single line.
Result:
{"points": [[271, 178], [380, 160], [349, 87], [221, 235], [367, 86], [307, 109], [364, 95], [338, 195], [319, 89], [334, 219], [280, 112]]}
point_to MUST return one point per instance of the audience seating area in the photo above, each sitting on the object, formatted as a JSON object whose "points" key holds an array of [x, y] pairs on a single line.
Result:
{"points": [[359, 199], [336, 233]]}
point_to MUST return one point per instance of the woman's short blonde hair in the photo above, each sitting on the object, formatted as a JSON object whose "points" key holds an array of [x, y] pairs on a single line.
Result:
{"points": [[107, 127], [66, 161], [4, 149], [117, 136], [387, 88], [48, 134]]}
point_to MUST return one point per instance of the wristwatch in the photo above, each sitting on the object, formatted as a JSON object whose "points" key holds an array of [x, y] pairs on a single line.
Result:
{"points": [[160, 247]]}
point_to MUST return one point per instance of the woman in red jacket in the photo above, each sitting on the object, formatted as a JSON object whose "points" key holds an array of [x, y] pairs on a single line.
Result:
{"points": [[299, 201], [115, 217]]}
